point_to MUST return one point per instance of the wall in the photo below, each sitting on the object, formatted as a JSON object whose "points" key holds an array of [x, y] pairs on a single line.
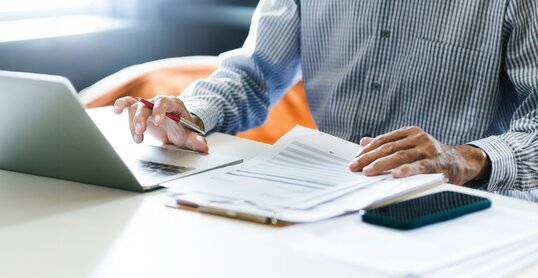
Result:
{"points": [[160, 29]]}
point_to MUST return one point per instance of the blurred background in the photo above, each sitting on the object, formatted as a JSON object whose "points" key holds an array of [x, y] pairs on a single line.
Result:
{"points": [[86, 40]]}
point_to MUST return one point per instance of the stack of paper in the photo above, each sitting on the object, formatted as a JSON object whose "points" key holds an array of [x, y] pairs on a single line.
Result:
{"points": [[303, 177], [491, 243]]}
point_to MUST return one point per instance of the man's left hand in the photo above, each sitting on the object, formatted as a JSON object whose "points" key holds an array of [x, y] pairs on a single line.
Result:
{"points": [[410, 151]]}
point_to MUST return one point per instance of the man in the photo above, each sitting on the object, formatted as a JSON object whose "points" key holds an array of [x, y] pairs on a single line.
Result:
{"points": [[425, 86]]}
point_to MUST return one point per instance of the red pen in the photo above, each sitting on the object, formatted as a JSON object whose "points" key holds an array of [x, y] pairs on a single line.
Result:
{"points": [[176, 118]]}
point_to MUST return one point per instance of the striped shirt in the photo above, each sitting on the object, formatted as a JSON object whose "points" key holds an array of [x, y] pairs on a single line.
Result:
{"points": [[465, 71]]}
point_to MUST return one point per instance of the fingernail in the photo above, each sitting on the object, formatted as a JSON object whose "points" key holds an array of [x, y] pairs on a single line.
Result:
{"points": [[354, 165], [157, 118], [137, 138], [368, 169], [138, 128]]}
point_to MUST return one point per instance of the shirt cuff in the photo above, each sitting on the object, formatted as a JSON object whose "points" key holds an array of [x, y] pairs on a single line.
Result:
{"points": [[203, 110], [503, 162]]}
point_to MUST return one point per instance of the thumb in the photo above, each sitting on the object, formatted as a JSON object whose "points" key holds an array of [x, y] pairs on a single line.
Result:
{"points": [[196, 142]]}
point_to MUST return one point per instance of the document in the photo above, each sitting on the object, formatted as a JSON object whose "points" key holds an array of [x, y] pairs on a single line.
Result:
{"points": [[302, 177], [480, 244]]}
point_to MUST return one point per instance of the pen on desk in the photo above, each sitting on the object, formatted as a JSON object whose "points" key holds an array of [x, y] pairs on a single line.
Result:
{"points": [[205, 208], [184, 122]]}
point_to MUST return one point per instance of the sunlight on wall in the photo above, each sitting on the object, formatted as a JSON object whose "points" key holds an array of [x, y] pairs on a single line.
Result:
{"points": [[32, 5], [28, 29]]}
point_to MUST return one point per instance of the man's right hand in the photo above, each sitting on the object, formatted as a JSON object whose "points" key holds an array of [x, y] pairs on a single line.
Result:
{"points": [[142, 119]]}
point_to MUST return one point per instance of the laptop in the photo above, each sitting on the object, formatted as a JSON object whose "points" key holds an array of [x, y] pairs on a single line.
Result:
{"points": [[46, 131]]}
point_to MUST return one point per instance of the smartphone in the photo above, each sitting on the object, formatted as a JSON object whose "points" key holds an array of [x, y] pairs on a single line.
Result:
{"points": [[425, 210]]}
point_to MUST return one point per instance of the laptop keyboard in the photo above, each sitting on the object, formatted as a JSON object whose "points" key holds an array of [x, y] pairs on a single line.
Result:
{"points": [[155, 169]]}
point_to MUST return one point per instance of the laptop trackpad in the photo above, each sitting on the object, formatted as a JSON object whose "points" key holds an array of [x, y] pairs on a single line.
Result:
{"points": [[164, 155], [153, 164]]}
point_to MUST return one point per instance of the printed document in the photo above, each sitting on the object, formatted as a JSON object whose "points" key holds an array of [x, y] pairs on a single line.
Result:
{"points": [[303, 174]]}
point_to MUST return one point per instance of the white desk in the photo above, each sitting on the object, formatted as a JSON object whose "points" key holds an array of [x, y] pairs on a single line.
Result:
{"points": [[55, 228]]}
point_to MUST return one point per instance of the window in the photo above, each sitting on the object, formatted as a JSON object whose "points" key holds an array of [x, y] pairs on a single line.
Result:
{"points": [[21, 9], [36, 5], [36, 19]]}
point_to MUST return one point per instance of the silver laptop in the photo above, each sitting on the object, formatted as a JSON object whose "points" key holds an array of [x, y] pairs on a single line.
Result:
{"points": [[46, 131]]}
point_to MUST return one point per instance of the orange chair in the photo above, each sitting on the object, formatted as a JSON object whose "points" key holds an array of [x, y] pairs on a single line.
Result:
{"points": [[172, 76]]}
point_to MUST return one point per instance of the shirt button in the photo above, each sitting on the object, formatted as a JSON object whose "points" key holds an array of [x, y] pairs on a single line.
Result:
{"points": [[376, 86], [385, 33]]}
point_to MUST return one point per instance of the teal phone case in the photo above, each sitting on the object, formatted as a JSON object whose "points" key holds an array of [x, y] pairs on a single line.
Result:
{"points": [[425, 210]]}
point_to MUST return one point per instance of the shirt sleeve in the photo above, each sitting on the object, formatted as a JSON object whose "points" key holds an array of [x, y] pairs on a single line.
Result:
{"points": [[237, 96], [514, 154]]}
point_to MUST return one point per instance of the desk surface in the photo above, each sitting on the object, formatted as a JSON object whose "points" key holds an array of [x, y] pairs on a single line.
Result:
{"points": [[56, 228]]}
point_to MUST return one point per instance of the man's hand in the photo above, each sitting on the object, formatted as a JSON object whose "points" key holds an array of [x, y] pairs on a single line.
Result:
{"points": [[410, 151], [141, 118]]}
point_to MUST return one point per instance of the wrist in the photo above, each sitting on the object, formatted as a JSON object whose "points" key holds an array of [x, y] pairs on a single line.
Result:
{"points": [[477, 161]]}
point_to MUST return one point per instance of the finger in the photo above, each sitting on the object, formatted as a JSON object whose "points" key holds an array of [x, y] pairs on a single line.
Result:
{"points": [[159, 110], [389, 137], [179, 108], [424, 166], [140, 118], [365, 141], [138, 138], [392, 161], [122, 103], [165, 105], [384, 150]]}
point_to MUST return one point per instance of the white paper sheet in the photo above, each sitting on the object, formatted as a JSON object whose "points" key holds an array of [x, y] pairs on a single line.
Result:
{"points": [[498, 263], [299, 178], [424, 251]]}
